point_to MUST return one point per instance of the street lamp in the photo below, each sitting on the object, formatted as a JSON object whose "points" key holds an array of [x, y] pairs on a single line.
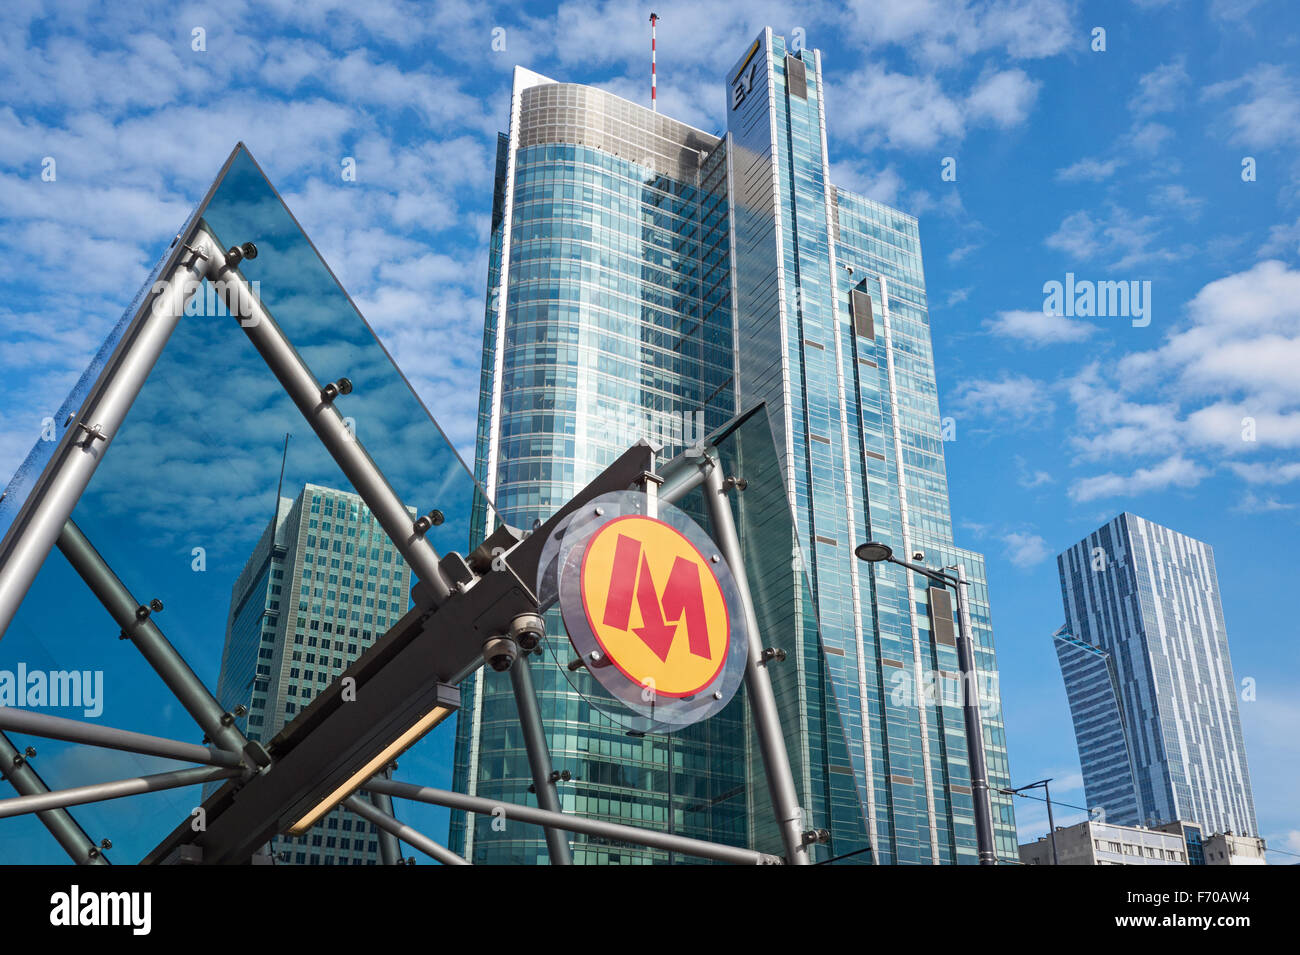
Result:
{"points": [[1051, 823], [874, 552]]}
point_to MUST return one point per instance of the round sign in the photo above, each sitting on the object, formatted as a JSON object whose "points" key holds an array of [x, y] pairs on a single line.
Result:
{"points": [[655, 606], [650, 607]]}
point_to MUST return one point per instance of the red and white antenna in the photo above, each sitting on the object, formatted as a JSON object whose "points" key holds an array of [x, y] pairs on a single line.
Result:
{"points": [[654, 103]]}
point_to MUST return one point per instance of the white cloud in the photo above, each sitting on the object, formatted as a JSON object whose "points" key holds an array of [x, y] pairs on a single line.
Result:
{"points": [[1270, 473], [1038, 328], [1089, 170], [1012, 396], [896, 110], [1161, 90], [1119, 238], [1003, 98], [1026, 550], [1266, 107], [1175, 471]]}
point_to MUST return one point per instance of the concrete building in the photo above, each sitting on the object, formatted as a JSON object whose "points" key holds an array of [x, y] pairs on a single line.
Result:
{"points": [[1224, 848], [1096, 843], [650, 279]]}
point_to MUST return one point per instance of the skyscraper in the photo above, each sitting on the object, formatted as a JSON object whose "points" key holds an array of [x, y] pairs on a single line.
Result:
{"points": [[1144, 653], [321, 584], [648, 279]]}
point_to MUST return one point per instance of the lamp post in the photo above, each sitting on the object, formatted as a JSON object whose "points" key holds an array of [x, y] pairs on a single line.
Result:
{"points": [[874, 552], [1051, 823]]}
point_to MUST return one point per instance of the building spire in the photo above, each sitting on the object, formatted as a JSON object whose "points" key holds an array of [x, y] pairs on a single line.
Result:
{"points": [[654, 103]]}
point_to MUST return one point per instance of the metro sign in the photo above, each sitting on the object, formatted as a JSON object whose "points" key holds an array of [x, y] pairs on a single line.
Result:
{"points": [[654, 606]]}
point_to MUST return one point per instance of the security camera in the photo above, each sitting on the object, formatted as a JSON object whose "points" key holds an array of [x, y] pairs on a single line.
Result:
{"points": [[918, 555], [499, 653], [527, 630]]}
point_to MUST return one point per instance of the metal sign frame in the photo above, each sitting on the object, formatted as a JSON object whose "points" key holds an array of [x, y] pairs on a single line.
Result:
{"points": [[405, 683]]}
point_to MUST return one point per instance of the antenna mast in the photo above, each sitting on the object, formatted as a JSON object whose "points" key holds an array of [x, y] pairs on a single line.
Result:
{"points": [[654, 102]]}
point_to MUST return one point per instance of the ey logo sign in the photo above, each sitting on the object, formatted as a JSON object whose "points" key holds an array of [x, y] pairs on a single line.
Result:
{"points": [[655, 606]]}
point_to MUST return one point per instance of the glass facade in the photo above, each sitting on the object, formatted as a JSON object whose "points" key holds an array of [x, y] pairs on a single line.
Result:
{"points": [[322, 585], [181, 508], [649, 280], [1148, 597]]}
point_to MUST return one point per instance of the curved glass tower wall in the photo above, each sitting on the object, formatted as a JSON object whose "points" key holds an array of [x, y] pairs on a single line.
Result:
{"points": [[621, 240], [608, 320]]}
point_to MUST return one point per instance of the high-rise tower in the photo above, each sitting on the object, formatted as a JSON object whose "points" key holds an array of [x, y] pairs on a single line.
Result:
{"points": [[1144, 653], [647, 279], [322, 583]]}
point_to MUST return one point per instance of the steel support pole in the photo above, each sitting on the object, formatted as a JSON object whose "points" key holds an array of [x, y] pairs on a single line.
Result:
{"points": [[99, 792], [585, 825], [758, 683], [1051, 822], [87, 437], [62, 826], [137, 623], [681, 476], [979, 773], [308, 393], [390, 850], [75, 731], [539, 757], [388, 824]]}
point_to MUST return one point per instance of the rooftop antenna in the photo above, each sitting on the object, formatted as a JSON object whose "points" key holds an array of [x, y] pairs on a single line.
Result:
{"points": [[279, 487], [654, 102]]}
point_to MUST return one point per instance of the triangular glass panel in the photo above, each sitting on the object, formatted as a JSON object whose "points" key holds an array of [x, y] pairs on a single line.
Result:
{"points": [[182, 508]]}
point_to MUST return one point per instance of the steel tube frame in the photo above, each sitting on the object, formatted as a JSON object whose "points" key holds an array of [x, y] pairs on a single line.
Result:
{"points": [[75, 731], [99, 792], [758, 683], [979, 770], [979, 773], [188, 689], [86, 439], [27, 781], [387, 823], [593, 827], [306, 392], [390, 850], [539, 757]]}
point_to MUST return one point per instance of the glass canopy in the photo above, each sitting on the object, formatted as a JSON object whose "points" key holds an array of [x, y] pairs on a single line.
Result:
{"points": [[184, 495]]}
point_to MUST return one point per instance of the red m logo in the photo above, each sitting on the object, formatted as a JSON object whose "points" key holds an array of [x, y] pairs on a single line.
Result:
{"points": [[660, 615]]}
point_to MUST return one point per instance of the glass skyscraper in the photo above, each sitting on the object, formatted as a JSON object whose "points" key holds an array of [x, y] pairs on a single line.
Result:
{"points": [[1144, 654], [321, 584], [648, 279]]}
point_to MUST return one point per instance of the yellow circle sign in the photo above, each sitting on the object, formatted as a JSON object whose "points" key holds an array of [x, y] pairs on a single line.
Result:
{"points": [[655, 606]]}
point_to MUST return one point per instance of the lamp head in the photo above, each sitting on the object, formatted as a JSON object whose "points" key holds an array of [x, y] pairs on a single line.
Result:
{"points": [[873, 552]]}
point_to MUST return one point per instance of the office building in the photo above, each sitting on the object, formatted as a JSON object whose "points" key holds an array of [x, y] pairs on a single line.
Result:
{"points": [[1098, 843], [1144, 654], [322, 583], [649, 279]]}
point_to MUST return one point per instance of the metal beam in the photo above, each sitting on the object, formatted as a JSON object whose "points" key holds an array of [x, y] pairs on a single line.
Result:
{"points": [[309, 394], [75, 731], [592, 827], [758, 683], [388, 824], [99, 792], [18, 770], [136, 621], [390, 850], [539, 756], [86, 438]]}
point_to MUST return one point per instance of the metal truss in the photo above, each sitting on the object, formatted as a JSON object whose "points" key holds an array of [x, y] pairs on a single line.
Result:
{"points": [[404, 684]]}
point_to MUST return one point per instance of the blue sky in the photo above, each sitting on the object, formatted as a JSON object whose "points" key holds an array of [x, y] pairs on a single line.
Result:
{"points": [[1117, 165]]}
